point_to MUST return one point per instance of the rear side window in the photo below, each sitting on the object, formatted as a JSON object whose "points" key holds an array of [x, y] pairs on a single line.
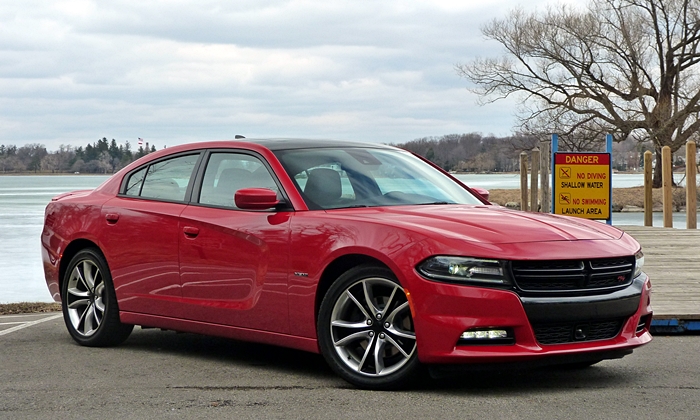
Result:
{"points": [[164, 180], [133, 186]]}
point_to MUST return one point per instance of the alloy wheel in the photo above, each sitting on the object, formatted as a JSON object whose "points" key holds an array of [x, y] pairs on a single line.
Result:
{"points": [[85, 298], [371, 327]]}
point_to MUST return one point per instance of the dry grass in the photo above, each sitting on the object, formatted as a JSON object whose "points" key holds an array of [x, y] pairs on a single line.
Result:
{"points": [[28, 308], [622, 197]]}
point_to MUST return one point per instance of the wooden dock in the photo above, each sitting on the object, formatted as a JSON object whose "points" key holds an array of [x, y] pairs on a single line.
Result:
{"points": [[672, 261]]}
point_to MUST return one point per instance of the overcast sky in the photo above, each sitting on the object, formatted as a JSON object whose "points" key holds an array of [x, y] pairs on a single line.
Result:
{"points": [[172, 72]]}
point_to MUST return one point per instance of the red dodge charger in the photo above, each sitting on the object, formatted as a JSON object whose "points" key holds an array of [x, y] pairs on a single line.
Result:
{"points": [[368, 254]]}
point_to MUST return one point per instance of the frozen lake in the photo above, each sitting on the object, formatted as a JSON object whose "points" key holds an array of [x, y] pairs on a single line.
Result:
{"points": [[22, 202]]}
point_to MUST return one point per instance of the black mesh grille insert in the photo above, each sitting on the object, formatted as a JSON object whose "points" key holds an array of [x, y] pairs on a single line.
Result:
{"points": [[570, 275], [573, 332]]}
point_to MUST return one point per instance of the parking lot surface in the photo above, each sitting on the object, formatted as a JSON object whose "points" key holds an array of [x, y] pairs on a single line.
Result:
{"points": [[163, 374]]}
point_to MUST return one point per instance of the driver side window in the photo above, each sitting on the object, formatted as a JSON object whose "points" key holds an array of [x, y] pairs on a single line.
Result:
{"points": [[227, 173]]}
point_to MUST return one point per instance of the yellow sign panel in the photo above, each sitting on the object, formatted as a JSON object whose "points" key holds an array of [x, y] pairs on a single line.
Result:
{"points": [[582, 185]]}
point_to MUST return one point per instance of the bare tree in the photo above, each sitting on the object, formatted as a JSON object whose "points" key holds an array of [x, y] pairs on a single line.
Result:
{"points": [[627, 67]]}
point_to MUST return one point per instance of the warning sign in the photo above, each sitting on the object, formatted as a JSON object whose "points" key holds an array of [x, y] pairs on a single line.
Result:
{"points": [[582, 185]]}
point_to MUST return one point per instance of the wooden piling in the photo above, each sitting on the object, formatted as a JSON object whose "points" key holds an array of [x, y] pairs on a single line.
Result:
{"points": [[523, 181], [534, 176], [648, 184], [667, 185], [545, 157], [691, 185]]}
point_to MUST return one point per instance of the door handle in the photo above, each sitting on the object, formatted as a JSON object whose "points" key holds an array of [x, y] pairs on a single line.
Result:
{"points": [[191, 231], [112, 218]]}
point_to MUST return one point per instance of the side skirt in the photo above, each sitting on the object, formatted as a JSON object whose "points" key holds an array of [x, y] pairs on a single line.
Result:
{"points": [[243, 334]]}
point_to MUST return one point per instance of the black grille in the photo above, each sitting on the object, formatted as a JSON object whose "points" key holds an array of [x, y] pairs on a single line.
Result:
{"points": [[563, 333], [571, 275]]}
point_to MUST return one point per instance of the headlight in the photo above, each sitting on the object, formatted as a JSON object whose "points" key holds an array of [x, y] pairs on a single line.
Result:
{"points": [[638, 263], [463, 269]]}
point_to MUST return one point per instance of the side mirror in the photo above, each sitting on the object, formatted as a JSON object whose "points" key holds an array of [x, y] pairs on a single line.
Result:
{"points": [[483, 192], [255, 199]]}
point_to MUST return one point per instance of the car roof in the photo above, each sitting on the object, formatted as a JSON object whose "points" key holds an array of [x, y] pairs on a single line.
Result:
{"points": [[291, 143]]}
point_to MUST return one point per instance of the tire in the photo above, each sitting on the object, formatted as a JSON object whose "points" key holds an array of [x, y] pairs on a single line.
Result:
{"points": [[365, 330], [89, 303]]}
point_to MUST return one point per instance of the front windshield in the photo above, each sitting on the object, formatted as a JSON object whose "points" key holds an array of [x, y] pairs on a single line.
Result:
{"points": [[365, 177]]}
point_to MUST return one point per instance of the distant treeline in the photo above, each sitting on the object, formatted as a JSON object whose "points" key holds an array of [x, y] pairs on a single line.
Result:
{"points": [[101, 157], [473, 152], [476, 153], [453, 152]]}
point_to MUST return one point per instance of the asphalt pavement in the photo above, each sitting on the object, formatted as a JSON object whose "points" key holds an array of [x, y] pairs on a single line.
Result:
{"points": [[162, 374]]}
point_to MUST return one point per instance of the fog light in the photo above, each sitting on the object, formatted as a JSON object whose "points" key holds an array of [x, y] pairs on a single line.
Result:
{"points": [[487, 336]]}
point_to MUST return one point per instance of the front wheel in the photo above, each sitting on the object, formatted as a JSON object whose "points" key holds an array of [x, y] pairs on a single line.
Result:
{"points": [[365, 329], [89, 303]]}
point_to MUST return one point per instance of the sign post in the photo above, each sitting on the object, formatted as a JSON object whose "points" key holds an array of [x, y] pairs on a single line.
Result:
{"points": [[582, 183]]}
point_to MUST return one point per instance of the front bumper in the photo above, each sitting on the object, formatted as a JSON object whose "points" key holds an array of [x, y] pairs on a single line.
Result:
{"points": [[442, 312]]}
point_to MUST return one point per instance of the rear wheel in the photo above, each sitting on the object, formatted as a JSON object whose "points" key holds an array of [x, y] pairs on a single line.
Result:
{"points": [[365, 329], [89, 303]]}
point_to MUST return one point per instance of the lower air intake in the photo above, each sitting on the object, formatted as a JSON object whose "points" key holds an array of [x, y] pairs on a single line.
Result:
{"points": [[562, 333]]}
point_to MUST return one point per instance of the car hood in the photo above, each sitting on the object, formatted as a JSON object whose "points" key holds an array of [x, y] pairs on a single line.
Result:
{"points": [[485, 224]]}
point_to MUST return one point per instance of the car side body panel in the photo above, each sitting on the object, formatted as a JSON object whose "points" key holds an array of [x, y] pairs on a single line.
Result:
{"points": [[234, 267], [144, 267], [317, 240], [68, 218]]}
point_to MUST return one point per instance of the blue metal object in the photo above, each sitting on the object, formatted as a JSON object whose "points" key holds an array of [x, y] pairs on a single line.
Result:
{"points": [[608, 149], [674, 325], [555, 149]]}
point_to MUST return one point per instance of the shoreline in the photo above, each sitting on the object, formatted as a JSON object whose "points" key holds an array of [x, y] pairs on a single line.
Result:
{"points": [[630, 199], [28, 308]]}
